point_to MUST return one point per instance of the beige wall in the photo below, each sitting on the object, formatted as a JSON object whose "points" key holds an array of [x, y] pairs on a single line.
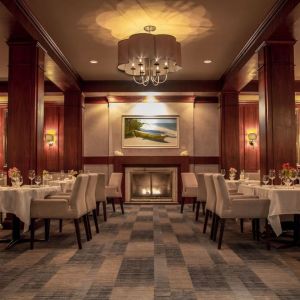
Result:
{"points": [[199, 130]]}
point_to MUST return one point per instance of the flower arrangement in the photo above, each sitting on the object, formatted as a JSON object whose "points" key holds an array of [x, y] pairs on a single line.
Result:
{"points": [[73, 173], [13, 172], [232, 170], [288, 171]]}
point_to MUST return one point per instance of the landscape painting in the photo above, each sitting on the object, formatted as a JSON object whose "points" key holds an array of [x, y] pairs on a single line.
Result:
{"points": [[150, 132]]}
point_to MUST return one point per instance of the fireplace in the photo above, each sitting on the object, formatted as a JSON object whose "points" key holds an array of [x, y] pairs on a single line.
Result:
{"points": [[150, 184]]}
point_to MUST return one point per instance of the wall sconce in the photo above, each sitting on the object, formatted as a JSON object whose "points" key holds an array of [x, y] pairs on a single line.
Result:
{"points": [[252, 137], [50, 137]]}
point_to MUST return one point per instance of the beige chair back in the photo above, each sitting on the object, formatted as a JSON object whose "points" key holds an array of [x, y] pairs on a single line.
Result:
{"points": [[211, 192], [100, 188], [116, 181], [77, 199], [202, 194], [189, 180], [91, 192], [223, 199]]}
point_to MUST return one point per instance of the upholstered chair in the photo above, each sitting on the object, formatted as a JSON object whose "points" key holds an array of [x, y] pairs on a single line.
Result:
{"points": [[189, 188], [201, 195], [73, 208], [113, 190], [210, 203], [100, 194], [231, 208], [90, 198]]}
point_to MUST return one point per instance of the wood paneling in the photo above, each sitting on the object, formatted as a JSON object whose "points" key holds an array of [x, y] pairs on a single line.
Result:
{"points": [[248, 119], [237, 76], [73, 138], [169, 86], [57, 67], [3, 112], [105, 160], [276, 105], [25, 107], [230, 149], [54, 120]]}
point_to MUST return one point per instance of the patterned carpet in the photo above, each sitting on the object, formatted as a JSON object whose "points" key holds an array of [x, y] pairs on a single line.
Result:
{"points": [[152, 252]]}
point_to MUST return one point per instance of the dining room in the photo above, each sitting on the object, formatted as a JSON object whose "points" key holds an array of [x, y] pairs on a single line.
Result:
{"points": [[149, 149]]}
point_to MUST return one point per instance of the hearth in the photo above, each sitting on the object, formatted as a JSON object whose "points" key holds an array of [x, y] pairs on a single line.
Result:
{"points": [[150, 184]]}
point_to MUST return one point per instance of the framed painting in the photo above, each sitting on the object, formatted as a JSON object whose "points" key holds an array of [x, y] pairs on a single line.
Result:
{"points": [[150, 132]]}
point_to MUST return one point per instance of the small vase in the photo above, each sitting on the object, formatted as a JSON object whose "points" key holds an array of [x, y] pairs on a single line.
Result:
{"points": [[231, 176]]}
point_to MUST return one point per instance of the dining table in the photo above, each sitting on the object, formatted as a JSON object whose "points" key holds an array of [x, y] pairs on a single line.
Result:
{"points": [[17, 201], [65, 185], [283, 201]]}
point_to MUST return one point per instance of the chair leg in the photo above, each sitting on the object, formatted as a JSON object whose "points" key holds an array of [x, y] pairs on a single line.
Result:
{"points": [[182, 204], [203, 207], [268, 235], [60, 225], [257, 229], [32, 229], [242, 225], [213, 224], [205, 221], [77, 229], [122, 206], [104, 211], [89, 226], [113, 204], [253, 229], [197, 211], [95, 220], [194, 203], [86, 228], [216, 228], [98, 208], [47, 229], [222, 227]]}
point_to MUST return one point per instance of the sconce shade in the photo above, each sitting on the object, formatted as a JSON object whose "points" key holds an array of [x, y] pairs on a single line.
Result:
{"points": [[252, 136]]}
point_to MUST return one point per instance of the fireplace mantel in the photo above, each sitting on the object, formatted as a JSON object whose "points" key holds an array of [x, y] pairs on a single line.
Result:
{"points": [[180, 162]]}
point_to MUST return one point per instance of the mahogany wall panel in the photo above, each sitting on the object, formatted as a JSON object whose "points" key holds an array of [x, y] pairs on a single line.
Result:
{"points": [[3, 112], [248, 119], [54, 120]]}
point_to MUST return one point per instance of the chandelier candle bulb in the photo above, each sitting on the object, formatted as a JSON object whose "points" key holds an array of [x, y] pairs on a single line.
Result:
{"points": [[149, 52]]}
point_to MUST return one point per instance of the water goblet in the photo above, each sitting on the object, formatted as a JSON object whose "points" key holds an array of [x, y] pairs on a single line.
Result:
{"points": [[223, 172], [265, 179], [20, 180], [31, 175], [293, 176], [38, 180], [272, 175]]}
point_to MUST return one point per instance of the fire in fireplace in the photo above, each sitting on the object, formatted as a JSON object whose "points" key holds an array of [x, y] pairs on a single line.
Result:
{"points": [[152, 184]]}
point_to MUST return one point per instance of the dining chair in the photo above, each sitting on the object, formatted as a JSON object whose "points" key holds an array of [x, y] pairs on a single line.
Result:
{"points": [[73, 208], [100, 195], [201, 194], [90, 198], [210, 203], [230, 208], [189, 188], [114, 190]]}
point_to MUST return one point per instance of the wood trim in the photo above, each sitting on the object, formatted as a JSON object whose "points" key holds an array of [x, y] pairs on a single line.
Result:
{"points": [[200, 99], [279, 12], [169, 86], [20, 10], [104, 160], [95, 100]]}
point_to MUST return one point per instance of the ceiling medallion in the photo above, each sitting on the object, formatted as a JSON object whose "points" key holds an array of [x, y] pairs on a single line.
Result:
{"points": [[148, 57]]}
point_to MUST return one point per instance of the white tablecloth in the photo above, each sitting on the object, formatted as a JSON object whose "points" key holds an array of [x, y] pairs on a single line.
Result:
{"points": [[283, 201], [234, 184], [17, 200], [65, 185]]}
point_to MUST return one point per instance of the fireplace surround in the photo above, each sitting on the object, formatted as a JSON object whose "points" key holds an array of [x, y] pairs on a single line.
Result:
{"points": [[151, 184]]}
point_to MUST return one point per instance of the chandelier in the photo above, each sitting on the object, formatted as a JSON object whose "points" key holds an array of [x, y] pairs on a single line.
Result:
{"points": [[148, 57]]}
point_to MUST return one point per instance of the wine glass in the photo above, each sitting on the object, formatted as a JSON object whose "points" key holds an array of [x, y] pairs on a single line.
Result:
{"points": [[20, 180], [38, 180], [31, 175], [265, 179], [272, 175], [293, 176], [280, 176], [223, 172]]}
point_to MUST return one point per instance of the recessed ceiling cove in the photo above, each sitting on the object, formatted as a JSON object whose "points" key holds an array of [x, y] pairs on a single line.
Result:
{"points": [[115, 20]]}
